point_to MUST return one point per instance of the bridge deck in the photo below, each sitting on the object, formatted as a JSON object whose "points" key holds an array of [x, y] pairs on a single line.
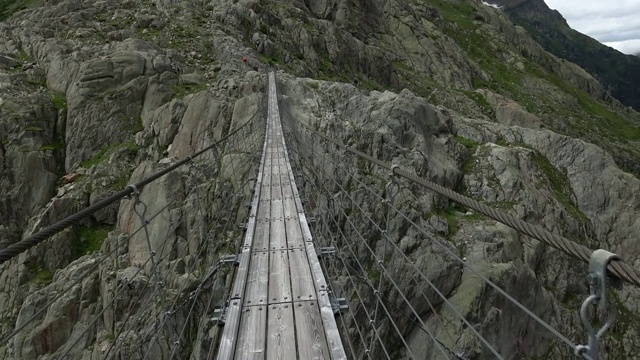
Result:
{"points": [[279, 308]]}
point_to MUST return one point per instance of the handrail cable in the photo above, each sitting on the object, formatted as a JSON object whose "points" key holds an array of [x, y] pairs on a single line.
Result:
{"points": [[202, 222], [376, 292], [470, 326], [17, 248], [326, 268], [615, 267], [60, 294], [383, 200], [252, 143], [465, 264]]}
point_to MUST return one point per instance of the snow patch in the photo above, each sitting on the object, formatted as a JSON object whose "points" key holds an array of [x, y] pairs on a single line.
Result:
{"points": [[495, 6]]}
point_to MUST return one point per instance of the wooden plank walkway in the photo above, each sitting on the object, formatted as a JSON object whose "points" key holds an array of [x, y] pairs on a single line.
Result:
{"points": [[279, 307]]}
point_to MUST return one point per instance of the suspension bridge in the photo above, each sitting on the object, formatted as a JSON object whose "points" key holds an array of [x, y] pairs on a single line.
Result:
{"points": [[304, 278]]}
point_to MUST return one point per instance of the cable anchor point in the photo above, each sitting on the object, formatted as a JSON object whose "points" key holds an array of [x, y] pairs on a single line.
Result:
{"points": [[598, 282]]}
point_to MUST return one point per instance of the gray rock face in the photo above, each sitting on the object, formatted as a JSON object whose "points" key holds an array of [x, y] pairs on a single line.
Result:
{"points": [[108, 92], [7, 62], [523, 179]]}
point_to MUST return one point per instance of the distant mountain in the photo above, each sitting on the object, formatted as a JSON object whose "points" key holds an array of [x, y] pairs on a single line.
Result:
{"points": [[618, 72]]}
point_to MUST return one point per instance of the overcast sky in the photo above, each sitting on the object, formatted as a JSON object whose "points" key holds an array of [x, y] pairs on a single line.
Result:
{"points": [[615, 23]]}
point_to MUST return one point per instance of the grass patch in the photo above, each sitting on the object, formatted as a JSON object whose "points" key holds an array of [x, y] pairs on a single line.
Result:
{"points": [[560, 185], [471, 145], [103, 154], [609, 123], [59, 101], [627, 323], [402, 66], [136, 126], [180, 91], [89, 240], [41, 276], [449, 215], [469, 164], [482, 103]]}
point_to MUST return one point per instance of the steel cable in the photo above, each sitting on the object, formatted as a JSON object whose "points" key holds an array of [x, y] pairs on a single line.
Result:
{"points": [[470, 326], [465, 264], [16, 248], [615, 267]]}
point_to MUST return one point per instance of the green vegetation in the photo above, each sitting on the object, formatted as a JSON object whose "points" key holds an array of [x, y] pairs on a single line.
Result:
{"points": [[402, 66], [89, 240], [559, 183], [33, 128], [102, 155], [627, 322], [136, 126], [54, 146], [59, 101], [619, 72], [41, 276], [471, 145], [482, 103], [608, 124], [181, 90], [264, 28], [23, 56]]}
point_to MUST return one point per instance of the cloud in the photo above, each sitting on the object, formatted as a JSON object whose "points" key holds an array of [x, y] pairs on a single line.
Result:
{"points": [[627, 47], [615, 23]]}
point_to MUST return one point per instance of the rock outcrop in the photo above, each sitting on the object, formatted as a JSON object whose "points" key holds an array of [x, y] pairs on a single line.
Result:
{"points": [[96, 95]]}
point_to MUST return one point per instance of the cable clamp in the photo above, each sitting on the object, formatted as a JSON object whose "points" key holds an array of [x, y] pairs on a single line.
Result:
{"points": [[135, 193], [598, 283]]}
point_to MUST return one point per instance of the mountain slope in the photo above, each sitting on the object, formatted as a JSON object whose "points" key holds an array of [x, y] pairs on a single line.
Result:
{"points": [[109, 91], [618, 72]]}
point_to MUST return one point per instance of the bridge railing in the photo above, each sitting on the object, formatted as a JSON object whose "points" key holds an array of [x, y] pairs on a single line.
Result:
{"points": [[413, 285], [148, 310]]}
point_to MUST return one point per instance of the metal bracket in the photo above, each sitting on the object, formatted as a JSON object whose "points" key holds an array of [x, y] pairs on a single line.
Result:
{"points": [[311, 221], [219, 315], [230, 259], [598, 281], [326, 251], [339, 305], [243, 226]]}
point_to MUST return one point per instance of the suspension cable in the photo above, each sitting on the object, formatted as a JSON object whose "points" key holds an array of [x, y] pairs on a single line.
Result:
{"points": [[15, 249], [615, 267], [456, 257], [487, 344]]}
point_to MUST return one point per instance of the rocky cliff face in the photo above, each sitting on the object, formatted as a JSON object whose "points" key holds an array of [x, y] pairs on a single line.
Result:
{"points": [[617, 71], [95, 95]]}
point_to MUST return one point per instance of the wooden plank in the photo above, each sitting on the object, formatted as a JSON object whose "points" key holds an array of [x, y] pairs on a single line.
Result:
{"points": [[230, 333], [261, 238], [294, 235], [281, 342], [316, 270], [332, 334], [278, 235], [290, 210], [311, 339], [257, 279], [304, 226], [302, 282], [279, 279], [252, 335]]}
